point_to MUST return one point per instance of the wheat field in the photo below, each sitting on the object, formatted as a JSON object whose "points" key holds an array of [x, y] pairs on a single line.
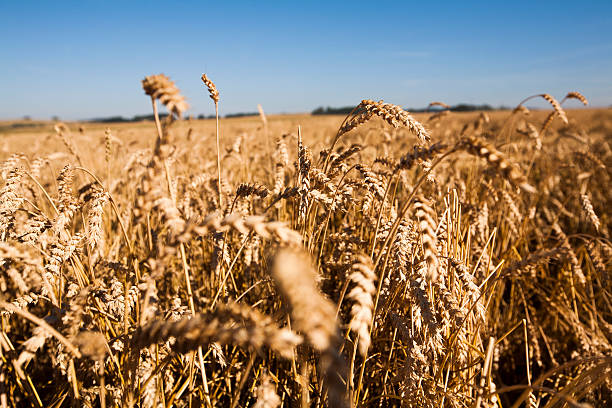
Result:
{"points": [[439, 259]]}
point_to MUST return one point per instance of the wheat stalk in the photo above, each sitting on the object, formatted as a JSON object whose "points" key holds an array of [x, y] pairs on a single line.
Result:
{"points": [[427, 226], [312, 315], [576, 95], [553, 102], [396, 116], [257, 224], [437, 103], [587, 207], [496, 159], [266, 394], [162, 88], [227, 324], [364, 278], [214, 95]]}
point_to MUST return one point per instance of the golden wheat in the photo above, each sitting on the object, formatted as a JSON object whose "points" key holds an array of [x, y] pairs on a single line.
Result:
{"points": [[376, 270]]}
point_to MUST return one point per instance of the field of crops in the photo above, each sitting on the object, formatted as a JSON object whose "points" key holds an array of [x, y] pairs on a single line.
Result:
{"points": [[440, 259]]}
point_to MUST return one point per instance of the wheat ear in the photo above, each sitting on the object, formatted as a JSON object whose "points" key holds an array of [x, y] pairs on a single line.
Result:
{"points": [[587, 207], [396, 116], [313, 315], [214, 95], [162, 88], [227, 324], [427, 227], [576, 95], [438, 103], [496, 159], [553, 102], [362, 294]]}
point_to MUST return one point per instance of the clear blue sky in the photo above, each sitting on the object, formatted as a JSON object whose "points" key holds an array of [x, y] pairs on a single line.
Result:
{"points": [[83, 59]]}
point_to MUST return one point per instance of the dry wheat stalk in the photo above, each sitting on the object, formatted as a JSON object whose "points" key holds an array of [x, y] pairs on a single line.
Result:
{"points": [[304, 164], [548, 122], [587, 207], [362, 294], [268, 230], [522, 109], [496, 159], [428, 239], [266, 394], [591, 157], [313, 315], [437, 103], [108, 145], [214, 95], [337, 162], [32, 345], [451, 305], [392, 114], [565, 244], [262, 115], [558, 110], [10, 200], [95, 231], [212, 88], [396, 116], [355, 121], [67, 202], [64, 133], [15, 160], [247, 190], [171, 216], [162, 88], [22, 302], [374, 186], [419, 153], [598, 262], [533, 133], [226, 324], [282, 161], [535, 259], [556, 106], [16, 277], [576, 95]]}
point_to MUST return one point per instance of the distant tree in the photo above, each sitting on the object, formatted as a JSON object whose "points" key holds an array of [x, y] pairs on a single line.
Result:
{"points": [[319, 111], [55, 118], [27, 118], [241, 114], [466, 107], [111, 119]]}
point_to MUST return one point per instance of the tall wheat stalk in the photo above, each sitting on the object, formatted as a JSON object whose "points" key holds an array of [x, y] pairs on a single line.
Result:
{"points": [[214, 95]]}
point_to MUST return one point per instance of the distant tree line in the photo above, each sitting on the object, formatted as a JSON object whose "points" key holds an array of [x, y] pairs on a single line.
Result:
{"points": [[345, 110], [241, 114], [140, 118], [466, 107], [462, 107], [120, 119]]}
